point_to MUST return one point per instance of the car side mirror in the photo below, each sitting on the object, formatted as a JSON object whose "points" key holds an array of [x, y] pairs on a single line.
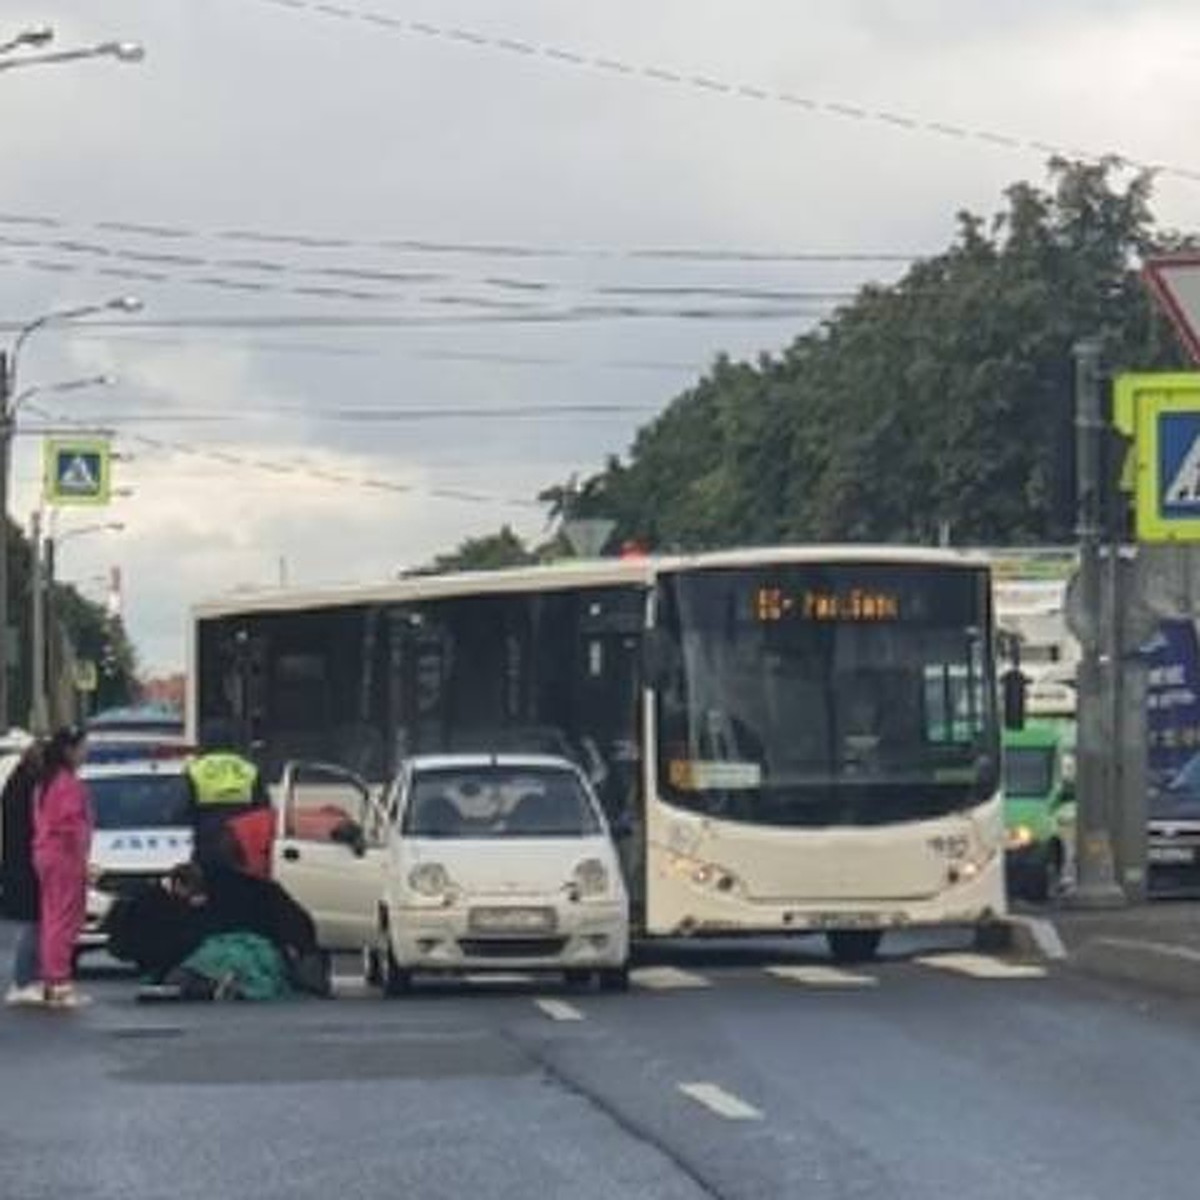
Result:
{"points": [[350, 834], [621, 826]]}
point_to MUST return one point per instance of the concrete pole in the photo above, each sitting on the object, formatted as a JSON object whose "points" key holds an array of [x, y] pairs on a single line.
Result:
{"points": [[1097, 886], [6, 431], [38, 722]]}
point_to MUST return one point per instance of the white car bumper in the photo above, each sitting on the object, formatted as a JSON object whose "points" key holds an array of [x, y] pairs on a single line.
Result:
{"points": [[582, 936]]}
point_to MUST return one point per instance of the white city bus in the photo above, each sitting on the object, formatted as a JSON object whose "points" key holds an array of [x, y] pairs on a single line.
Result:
{"points": [[787, 739]]}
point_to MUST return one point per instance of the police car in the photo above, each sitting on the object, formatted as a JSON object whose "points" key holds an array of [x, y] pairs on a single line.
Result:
{"points": [[142, 831]]}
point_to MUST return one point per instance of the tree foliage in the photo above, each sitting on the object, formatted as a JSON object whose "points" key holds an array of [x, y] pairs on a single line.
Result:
{"points": [[946, 397]]}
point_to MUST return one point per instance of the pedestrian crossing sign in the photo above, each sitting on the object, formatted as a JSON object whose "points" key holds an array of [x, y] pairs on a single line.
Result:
{"points": [[1162, 414], [78, 471]]}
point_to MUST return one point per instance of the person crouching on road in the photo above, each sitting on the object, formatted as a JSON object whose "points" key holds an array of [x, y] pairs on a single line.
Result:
{"points": [[18, 879], [223, 786], [62, 838]]}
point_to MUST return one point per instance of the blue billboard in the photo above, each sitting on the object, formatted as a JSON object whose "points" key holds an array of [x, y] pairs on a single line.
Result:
{"points": [[1172, 698]]}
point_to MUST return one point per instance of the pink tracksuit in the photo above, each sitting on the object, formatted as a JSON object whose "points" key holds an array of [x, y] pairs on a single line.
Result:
{"points": [[62, 836]]}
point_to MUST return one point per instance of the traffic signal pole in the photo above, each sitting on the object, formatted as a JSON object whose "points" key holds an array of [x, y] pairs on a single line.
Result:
{"points": [[1099, 662]]}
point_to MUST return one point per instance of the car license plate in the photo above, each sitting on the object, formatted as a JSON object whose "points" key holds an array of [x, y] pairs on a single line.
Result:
{"points": [[1172, 854], [512, 920]]}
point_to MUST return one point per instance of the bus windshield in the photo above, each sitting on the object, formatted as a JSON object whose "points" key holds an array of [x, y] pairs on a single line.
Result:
{"points": [[826, 694]]}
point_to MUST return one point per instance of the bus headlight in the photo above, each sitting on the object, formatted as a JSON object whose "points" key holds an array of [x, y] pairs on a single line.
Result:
{"points": [[591, 878], [1019, 836], [429, 879]]}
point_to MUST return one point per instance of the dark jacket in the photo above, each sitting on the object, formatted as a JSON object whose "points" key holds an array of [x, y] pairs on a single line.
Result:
{"points": [[156, 932], [18, 879]]}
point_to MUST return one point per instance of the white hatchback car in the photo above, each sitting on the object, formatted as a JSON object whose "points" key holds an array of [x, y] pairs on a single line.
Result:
{"points": [[498, 863]]}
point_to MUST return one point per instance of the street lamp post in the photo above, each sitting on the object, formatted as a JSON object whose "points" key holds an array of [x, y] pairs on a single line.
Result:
{"points": [[44, 618], [9, 403]]}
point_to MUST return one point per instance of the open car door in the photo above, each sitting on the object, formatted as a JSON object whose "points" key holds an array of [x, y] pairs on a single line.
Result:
{"points": [[330, 850]]}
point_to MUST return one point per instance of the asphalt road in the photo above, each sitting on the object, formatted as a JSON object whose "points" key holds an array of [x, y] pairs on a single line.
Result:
{"points": [[948, 1077]]}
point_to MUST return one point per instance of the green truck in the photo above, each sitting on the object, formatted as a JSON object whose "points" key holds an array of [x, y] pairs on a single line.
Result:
{"points": [[1039, 808]]}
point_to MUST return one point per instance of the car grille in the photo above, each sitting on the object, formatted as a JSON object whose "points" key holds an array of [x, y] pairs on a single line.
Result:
{"points": [[511, 947]]}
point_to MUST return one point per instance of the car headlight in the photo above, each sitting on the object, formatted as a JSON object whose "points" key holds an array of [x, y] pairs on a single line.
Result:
{"points": [[1020, 836], [429, 879], [591, 878]]}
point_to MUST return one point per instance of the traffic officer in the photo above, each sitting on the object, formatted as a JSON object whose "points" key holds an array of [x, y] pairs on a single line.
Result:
{"points": [[223, 786]]}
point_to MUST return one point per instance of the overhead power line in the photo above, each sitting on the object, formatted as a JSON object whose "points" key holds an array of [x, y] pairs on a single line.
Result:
{"points": [[580, 314], [175, 234], [294, 468], [367, 416], [712, 85]]}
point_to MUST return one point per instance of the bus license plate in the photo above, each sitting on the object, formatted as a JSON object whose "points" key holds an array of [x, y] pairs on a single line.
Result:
{"points": [[512, 920]]}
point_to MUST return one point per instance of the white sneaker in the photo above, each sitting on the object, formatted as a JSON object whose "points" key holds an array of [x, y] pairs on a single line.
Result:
{"points": [[66, 997], [32, 994]]}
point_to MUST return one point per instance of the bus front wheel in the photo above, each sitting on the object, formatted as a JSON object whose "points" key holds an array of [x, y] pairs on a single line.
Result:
{"points": [[854, 945]]}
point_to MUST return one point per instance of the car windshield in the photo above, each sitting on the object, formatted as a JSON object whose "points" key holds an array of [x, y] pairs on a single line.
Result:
{"points": [[1028, 770], [499, 802], [139, 801], [826, 694]]}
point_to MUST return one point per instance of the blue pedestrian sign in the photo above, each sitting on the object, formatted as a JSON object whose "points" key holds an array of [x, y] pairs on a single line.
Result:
{"points": [[77, 471], [1162, 414]]}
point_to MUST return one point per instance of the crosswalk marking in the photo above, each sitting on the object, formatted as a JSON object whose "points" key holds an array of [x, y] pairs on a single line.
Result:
{"points": [[558, 1010], [717, 1099], [823, 977], [979, 966], [667, 978]]}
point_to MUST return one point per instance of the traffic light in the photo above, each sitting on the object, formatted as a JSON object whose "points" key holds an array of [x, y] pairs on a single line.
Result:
{"points": [[1118, 481]]}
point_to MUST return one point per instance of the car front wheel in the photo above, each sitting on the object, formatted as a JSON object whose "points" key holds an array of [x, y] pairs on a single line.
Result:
{"points": [[396, 980], [614, 979]]}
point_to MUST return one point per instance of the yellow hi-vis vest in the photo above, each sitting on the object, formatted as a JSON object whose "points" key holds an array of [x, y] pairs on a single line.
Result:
{"points": [[222, 779]]}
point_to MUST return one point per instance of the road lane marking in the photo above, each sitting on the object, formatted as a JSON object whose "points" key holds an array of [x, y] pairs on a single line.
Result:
{"points": [[661, 979], [559, 1010], [717, 1099], [497, 978], [823, 977], [1043, 934], [979, 966]]}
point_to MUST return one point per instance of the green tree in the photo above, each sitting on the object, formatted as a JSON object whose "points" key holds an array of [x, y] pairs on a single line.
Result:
{"points": [[946, 397], [488, 553]]}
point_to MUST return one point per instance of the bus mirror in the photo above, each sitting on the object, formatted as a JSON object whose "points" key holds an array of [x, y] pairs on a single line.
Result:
{"points": [[1014, 687], [656, 658]]}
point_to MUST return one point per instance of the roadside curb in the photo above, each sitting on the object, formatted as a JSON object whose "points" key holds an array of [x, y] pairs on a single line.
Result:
{"points": [[1167, 968]]}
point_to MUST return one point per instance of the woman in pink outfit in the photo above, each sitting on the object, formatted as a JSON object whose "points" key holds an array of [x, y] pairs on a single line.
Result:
{"points": [[62, 837]]}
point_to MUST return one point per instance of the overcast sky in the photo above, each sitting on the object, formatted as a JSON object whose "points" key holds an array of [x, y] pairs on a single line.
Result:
{"points": [[265, 118]]}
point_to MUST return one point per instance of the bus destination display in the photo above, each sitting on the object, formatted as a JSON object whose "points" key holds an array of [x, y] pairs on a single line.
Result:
{"points": [[865, 605]]}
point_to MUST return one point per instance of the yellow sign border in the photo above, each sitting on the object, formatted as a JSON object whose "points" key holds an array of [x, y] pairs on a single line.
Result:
{"points": [[54, 448], [1139, 402]]}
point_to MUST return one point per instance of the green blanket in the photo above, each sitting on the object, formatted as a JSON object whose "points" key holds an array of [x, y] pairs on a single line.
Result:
{"points": [[243, 965]]}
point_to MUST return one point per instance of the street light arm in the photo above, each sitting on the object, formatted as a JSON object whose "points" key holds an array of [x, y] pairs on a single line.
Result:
{"points": [[121, 304], [88, 530], [70, 385], [37, 35], [121, 51]]}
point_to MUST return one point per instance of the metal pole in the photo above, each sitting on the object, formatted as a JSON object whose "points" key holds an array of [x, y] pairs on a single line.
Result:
{"points": [[37, 630], [54, 658], [1097, 884], [7, 383]]}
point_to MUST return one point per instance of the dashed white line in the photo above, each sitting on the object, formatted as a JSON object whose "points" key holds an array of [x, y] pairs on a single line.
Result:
{"points": [[559, 1010], [979, 966], [716, 1099], [667, 978], [823, 977]]}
